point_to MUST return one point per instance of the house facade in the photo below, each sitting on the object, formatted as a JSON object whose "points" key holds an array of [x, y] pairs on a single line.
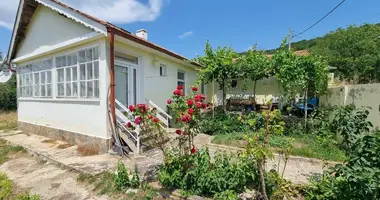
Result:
{"points": [[74, 70]]}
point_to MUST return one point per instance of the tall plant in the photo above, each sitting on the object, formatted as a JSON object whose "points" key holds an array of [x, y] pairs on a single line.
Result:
{"points": [[255, 66], [218, 65]]}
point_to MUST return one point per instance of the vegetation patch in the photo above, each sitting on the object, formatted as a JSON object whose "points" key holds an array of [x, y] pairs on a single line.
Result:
{"points": [[8, 120], [9, 191], [7, 150], [121, 184], [64, 146]]}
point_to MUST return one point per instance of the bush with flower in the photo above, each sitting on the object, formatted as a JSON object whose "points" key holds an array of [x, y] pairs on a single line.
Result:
{"points": [[186, 110], [144, 119]]}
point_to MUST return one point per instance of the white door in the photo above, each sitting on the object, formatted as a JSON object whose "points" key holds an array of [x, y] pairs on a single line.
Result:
{"points": [[126, 89]]}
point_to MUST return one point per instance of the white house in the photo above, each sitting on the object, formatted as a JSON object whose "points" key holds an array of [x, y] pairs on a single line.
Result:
{"points": [[76, 73]]}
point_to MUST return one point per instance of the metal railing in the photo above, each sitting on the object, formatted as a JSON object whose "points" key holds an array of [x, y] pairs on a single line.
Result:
{"points": [[160, 113], [122, 119]]}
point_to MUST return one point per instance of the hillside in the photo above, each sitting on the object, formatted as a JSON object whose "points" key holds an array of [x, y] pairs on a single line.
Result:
{"points": [[353, 51]]}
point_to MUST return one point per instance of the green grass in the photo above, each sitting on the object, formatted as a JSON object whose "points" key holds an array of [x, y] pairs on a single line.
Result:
{"points": [[8, 120], [8, 190], [6, 150], [303, 145]]}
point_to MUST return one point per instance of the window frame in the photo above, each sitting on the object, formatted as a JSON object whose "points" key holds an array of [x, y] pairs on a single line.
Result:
{"points": [[95, 81], [164, 69], [182, 80], [33, 84]]}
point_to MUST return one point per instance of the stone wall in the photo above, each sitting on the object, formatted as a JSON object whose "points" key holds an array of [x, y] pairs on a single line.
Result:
{"points": [[66, 136]]}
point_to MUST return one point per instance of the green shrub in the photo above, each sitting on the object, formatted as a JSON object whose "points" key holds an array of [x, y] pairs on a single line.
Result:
{"points": [[350, 122], [226, 195], [198, 174], [221, 124], [358, 178], [124, 179], [8, 95]]}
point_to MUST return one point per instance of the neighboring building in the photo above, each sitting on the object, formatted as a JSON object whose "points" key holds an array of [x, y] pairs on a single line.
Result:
{"points": [[266, 89], [71, 67]]}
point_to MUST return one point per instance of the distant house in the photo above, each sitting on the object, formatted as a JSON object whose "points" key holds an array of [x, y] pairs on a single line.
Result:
{"points": [[266, 89], [76, 74]]}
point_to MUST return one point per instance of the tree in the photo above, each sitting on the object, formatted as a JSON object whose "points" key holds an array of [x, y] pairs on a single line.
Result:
{"points": [[218, 65], [300, 74], [8, 92], [255, 66]]}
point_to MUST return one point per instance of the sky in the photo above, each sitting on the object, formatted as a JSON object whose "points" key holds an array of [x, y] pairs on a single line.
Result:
{"points": [[184, 26]]}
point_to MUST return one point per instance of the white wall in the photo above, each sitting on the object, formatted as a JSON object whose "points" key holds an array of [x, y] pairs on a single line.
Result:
{"points": [[88, 117], [48, 28], [153, 86], [265, 90]]}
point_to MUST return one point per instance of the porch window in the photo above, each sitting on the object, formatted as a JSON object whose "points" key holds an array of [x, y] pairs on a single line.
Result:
{"points": [[36, 79], [26, 81], [181, 80], [78, 74]]}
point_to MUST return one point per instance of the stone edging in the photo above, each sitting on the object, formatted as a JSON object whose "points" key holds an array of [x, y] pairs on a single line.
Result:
{"points": [[295, 158]]}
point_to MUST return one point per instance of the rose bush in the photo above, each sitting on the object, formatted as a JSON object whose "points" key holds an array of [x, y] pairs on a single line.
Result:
{"points": [[186, 110], [144, 119]]}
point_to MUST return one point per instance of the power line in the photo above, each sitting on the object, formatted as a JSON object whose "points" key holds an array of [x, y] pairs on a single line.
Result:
{"points": [[321, 19]]}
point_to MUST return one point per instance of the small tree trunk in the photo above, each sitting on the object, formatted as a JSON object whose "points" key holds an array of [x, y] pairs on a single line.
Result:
{"points": [[224, 95], [254, 89], [262, 178], [306, 107]]}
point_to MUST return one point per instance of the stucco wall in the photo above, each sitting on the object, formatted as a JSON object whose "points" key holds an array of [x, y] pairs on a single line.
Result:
{"points": [[87, 117], [48, 28], [152, 85], [265, 90], [359, 95]]}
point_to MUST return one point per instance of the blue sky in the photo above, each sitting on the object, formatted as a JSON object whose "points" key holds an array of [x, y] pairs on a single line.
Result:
{"points": [[184, 25]]}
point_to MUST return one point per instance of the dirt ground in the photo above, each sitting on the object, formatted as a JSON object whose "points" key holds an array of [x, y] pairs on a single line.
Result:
{"points": [[46, 179]]}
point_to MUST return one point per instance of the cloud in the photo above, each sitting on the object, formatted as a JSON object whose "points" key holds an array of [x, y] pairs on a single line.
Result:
{"points": [[115, 11], [185, 34]]}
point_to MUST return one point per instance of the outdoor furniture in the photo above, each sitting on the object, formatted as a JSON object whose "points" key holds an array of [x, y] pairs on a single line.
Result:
{"points": [[311, 105]]}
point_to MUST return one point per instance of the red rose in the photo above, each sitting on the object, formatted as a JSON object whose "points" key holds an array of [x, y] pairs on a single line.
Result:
{"points": [[138, 120], [186, 118], [178, 92], [197, 98], [129, 124], [202, 96], [195, 89], [204, 105], [180, 87], [190, 111], [190, 102], [155, 120], [169, 101], [150, 117], [178, 132], [132, 108], [193, 150], [185, 133], [198, 105]]}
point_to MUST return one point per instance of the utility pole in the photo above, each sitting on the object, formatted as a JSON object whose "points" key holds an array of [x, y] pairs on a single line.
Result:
{"points": [[290, 38]]}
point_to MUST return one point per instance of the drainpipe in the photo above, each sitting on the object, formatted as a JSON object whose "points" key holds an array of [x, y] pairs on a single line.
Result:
{"points": [[112, 74]]}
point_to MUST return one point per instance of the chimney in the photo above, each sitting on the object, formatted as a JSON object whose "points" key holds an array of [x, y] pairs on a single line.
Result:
{"points": [[142, 33]]}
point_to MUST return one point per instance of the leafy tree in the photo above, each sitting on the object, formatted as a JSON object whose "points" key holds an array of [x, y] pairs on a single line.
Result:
{"points": [[354, 51], [255, 66], [8, 92], [218, 65]]}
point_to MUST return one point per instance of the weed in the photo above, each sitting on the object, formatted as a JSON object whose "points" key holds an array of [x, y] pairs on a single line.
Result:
{"points": [[6, 150], [7, 190], [8, 120]]}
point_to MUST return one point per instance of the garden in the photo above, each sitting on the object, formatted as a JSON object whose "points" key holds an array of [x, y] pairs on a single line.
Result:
{"points": [[339, 134]]}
